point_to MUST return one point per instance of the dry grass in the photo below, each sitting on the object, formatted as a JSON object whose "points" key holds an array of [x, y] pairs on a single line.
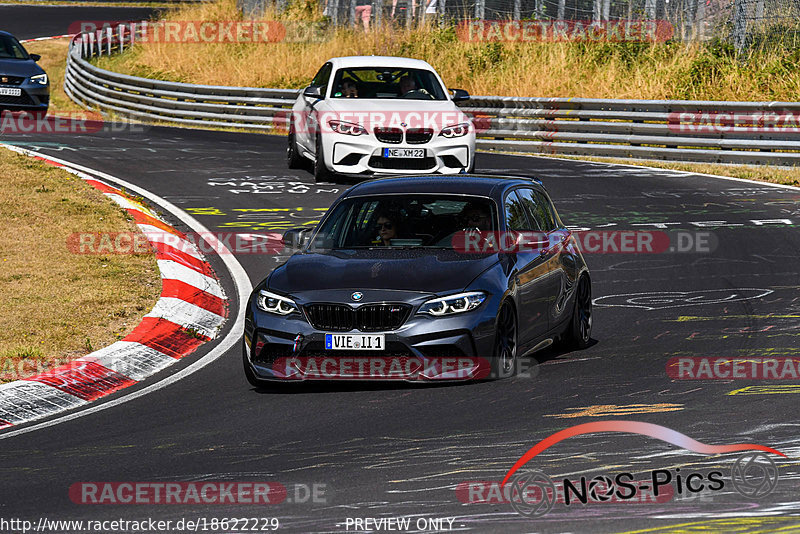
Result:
{"points": [[58, 305], [611, 70]]}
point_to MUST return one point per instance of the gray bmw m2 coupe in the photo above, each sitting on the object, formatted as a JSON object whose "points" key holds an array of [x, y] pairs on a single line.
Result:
{"points": [[421, 278]]}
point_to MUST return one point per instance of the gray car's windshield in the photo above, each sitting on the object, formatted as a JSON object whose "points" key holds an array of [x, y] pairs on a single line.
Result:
{"points": [[10, 48], [377, 82], [407, 221]]}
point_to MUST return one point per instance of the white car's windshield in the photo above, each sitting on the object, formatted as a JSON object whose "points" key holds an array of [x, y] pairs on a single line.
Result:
{"points": [[378, 82]]}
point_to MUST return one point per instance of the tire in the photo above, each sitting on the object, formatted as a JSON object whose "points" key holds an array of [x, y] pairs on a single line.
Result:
{"points": [[321, 172], [579, 331], [293, 158], [471, 169], [504, 361], [248, 370]]}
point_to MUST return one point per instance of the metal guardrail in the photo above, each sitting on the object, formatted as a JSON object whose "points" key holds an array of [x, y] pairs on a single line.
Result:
{"points": [[679, 130]]}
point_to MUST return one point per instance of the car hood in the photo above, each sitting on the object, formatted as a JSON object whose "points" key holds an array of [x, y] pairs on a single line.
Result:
{"points": [[19, 67], [408, 270]]}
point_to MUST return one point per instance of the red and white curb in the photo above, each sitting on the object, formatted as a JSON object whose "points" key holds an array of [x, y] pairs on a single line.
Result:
{"points": [[190, 311], [47, 38]]}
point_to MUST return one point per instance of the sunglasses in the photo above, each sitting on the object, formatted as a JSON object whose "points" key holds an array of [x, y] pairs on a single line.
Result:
{"points": [[386, 225]]}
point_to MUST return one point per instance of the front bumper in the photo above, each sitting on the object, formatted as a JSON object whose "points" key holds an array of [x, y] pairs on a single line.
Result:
{"points": [[34, 97], [364, 155], [423, 349]]}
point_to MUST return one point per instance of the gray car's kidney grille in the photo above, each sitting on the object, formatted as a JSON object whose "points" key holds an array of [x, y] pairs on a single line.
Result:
{"points": [[367, 318]]}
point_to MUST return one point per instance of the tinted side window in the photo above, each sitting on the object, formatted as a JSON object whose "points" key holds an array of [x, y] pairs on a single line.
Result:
{"points": [[515, 213], [538, 208], [322, 77]]}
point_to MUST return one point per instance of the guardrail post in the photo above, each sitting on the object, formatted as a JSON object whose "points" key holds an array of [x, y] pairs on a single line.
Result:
{"points": [[91, 45], [110, 38], [121, 37], [561, 9], [352, 13], [480, 9]]}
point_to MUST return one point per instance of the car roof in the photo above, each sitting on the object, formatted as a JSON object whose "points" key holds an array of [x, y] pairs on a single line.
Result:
{"points": [[465, 184], [379, 61]]}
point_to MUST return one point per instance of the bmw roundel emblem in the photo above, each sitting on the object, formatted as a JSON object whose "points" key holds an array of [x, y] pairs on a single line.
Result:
{"points": [[357, 296]]}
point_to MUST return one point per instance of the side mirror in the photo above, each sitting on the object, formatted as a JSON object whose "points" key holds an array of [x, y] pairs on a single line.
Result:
{"points": [[460, 95], [313, 91], [35, 57], [296, 238]]}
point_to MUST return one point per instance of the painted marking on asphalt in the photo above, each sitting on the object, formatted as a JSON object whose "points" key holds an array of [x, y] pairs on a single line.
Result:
{"points": [[84, 379], [170, 336], [183, 291], [22, 401], [177, 271], [166, 252], [188, 315], [164, 336], [778, 389], [133, 360], [158, 235], [604, 410]]}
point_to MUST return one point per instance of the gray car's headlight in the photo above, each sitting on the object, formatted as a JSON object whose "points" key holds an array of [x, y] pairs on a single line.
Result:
{"points": [[41, 79], [463, 302], [272, 303], [457, 130]]}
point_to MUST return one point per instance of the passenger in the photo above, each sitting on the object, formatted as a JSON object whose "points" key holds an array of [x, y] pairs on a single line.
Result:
{"points": [[349, 89]]}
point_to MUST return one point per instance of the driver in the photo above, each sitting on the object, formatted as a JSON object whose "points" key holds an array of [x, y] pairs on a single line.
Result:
{"points": [[408, 88], [477, 216], [407, 85]]}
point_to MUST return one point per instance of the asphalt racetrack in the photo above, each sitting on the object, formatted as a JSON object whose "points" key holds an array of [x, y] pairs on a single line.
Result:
{"points": [[395, 450], [29, 22]]}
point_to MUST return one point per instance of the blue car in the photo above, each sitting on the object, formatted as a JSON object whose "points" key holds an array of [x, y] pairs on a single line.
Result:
{"points": [[421, 278], [24, 85]]}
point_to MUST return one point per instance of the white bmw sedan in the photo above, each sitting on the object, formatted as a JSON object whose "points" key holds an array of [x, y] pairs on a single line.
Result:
{"points": [[380, 115]]}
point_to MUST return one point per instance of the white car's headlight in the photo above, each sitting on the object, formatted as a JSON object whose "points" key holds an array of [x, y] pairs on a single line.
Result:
{"points": [[463, 302], [41, 79], [272, 303], [457, 130], [346, 128]]}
